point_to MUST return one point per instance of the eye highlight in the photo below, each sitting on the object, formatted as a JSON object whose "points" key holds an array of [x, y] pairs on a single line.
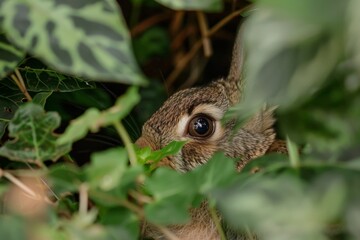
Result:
{"points": [[201, 126]]}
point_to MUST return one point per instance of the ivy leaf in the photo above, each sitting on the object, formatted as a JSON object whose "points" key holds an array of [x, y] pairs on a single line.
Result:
{"points": [[38, 80], [120, 222], [204, 5], [10, 56], [107, 168], [208, 175], [64, 178], [93, 119], [7, 109], [173, 193], [41, 98], [34, 140], [87, 38], [145, 154], [12, 227]]}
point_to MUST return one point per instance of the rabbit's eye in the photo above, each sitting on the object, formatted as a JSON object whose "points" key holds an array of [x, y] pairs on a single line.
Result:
{"points": [[201, 126]]}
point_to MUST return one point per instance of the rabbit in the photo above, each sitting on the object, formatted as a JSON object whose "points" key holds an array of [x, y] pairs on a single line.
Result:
{"points": [[194, 115]]}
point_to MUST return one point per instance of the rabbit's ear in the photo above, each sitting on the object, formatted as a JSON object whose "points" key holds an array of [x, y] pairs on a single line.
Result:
{"points": [[235, 76]]}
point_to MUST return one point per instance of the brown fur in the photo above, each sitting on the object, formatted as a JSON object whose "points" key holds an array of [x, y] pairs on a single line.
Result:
{"points": [[254, 139]]}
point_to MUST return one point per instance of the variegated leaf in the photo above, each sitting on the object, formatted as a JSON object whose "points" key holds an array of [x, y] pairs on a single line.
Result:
{"points": [[10, 56], [82, 37]]}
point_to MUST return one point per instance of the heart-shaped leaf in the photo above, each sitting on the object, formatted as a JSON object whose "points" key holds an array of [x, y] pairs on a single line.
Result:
{"points": [[82, 37], [34, 140]]}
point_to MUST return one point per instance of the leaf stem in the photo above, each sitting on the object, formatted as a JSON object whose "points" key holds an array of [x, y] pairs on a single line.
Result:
{"points": [[17, 182], [227, 19], [169, 234], [18, 79], [127, 142], [83, 199], [122, 202], [293, 153], [217, 222], [204, 29]]}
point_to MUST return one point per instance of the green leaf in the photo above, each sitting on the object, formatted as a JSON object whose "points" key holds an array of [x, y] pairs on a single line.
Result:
{"points": [[179, 184], [203, 5], [278, 197], [87, 38], [332, 16], [144, 47], [7, 110], [291, 65], [34, 140], [120, 223], [107, 168], [177, 207], [145, 154], [93, 119], [218, 172], [64, 178], [10, 56], [38, 80], [41, 98], [12, 227], [173, 193]]}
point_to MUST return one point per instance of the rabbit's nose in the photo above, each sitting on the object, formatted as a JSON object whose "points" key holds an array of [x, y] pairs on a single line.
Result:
{"points": [[143, 142]]}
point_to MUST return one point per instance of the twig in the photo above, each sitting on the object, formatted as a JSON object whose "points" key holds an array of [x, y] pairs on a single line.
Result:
{"points": [[176, 22], [147, 23], [169, 234], [217, 222], [44, 182], [182, 63], [140, 197], [22, 186], [18, 79], [127, 142], [227, 19], [17, 182], [122, 202], [204, 33], [83, 199]]}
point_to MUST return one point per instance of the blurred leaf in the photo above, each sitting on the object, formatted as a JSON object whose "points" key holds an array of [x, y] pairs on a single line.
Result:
{"points": [[219, 171], [12, 227], [353, 35], [353, 221], [3, 189], [152, 97], [34, 140], [107, 168], [40, 98], [7, 111], [330, 200], [64, 178], [153, 42], [332, 11], [288, 60], [173, 194], [99, 44], [120, 223], [204, 5], [10, 56], [287, 200], [160, 211], [93, 119], [38, 80]]}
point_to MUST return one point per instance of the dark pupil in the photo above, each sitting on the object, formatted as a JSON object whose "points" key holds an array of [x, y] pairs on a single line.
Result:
{"points": [[201, 126]]}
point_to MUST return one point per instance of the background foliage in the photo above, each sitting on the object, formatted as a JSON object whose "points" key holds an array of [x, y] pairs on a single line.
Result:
{"points": [[69, 169]]}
